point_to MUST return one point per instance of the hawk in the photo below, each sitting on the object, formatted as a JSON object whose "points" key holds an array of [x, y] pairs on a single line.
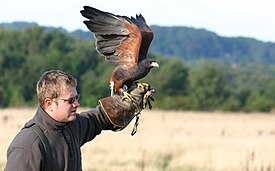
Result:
{"points": [[123, 41]]}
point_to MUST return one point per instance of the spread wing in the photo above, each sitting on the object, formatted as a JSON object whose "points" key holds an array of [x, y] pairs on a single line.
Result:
{"points": [[147, 35], [117, 37]]}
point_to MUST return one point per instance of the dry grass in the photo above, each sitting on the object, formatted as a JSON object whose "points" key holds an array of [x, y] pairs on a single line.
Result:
{"points": [[174, 141]]}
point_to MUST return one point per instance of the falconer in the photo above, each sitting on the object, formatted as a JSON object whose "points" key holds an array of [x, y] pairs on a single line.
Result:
{"points": [[51, 140]]}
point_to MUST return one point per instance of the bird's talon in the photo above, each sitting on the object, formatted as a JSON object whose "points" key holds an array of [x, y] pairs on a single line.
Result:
{"points": [[127, 96]]}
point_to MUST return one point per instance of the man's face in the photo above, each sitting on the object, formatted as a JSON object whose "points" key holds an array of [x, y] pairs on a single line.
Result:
{"points": [[64, 107]]}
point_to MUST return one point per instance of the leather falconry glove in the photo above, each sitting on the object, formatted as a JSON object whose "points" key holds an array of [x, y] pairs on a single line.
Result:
{"points": [[121, 111]]}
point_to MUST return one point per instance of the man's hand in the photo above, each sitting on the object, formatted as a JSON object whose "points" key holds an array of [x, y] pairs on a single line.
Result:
{"points": [[121, 111]]}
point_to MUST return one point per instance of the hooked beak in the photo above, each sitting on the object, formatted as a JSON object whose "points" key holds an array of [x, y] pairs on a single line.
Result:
{"points": [[154, 64]]}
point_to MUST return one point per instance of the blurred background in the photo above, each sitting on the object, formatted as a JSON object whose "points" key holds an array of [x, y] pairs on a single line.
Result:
{"points": [[217, 66], [214, 55]]}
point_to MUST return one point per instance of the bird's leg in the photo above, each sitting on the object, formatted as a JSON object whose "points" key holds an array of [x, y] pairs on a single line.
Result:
{"points": [[125, 87], [112, 87]]}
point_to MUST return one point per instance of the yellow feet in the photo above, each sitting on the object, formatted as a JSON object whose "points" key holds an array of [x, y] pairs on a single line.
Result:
{"points": [[141, 85], [127, 96]]}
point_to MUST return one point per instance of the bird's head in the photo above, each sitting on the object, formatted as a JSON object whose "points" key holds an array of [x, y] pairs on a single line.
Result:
{"points": [[150, 63]]}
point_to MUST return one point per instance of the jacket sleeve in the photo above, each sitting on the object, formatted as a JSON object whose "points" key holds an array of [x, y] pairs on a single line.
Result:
{"points": [[91, 123]]}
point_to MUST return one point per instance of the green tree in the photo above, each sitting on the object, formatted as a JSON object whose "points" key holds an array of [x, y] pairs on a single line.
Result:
{"points": [[170, 82], [207, 85], [258, 102]]}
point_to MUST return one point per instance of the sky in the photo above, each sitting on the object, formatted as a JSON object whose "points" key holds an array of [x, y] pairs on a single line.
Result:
{"points": [[230, 18]]}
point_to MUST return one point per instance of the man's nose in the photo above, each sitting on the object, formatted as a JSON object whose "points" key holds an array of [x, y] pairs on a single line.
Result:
{"points": [[76, 103]]}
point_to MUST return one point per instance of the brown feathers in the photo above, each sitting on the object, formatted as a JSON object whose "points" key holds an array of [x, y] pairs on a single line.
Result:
{"points": [[123, 41]]}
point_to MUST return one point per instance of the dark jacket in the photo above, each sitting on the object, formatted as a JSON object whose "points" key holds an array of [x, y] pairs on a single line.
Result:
{"points": [[26, 150]]}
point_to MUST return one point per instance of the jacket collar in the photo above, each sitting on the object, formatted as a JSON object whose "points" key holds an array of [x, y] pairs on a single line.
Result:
{"points": [[46, 121]]}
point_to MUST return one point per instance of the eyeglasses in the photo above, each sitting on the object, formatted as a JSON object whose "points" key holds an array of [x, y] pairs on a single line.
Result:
{"points": [[72, 99]]}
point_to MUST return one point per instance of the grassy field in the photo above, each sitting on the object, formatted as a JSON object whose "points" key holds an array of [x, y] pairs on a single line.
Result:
{"points": [[174, 141]]}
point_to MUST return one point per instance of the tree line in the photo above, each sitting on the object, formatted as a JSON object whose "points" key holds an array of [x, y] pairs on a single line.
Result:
{"points": [[180, 85], [192, 44]]}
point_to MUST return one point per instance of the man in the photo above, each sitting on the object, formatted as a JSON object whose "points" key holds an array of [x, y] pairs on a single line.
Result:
{"points": [[65, 130]]}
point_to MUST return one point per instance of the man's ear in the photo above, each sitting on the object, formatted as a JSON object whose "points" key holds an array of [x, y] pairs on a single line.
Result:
{"points": [[48, 104]]}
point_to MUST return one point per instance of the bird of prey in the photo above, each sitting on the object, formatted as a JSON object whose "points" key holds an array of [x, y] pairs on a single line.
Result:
{"points": [[123, 41]]}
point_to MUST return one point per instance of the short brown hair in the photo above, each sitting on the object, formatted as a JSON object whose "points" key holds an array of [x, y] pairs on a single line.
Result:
{"points": [[52, 83]]}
